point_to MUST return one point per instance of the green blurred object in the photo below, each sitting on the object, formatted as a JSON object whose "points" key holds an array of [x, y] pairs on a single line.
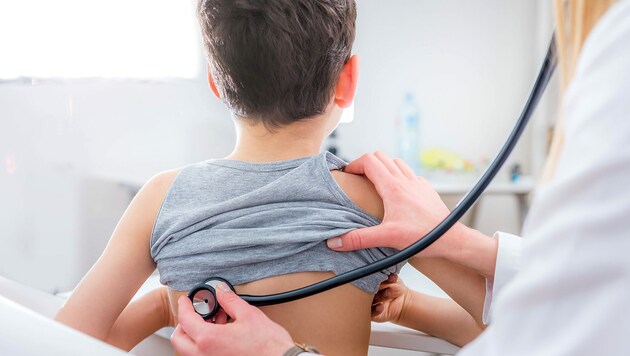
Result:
{"points": [[441, 159]]}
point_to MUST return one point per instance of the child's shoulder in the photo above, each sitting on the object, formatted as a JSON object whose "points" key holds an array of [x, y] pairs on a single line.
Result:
{"points": [[361, 191], [154, 191], [164, 178], [162, 181]]}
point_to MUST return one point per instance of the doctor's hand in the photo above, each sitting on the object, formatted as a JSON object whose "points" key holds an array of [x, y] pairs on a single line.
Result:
{"points": [[412, 209], [250, 332]]}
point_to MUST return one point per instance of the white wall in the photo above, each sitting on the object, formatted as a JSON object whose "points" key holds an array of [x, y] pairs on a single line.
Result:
{"points": [[67, 138], [470, 64]]}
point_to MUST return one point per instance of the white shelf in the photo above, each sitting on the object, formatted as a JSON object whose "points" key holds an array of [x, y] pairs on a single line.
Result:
{"points": [[524, 185]]}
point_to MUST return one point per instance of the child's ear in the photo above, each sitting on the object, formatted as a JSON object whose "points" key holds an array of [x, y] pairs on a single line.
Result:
{"points": [[213, 86], [347, 84]]}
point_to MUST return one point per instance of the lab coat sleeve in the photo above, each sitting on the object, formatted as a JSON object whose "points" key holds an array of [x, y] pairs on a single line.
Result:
{"points": [[508, 263], [572, 293]]}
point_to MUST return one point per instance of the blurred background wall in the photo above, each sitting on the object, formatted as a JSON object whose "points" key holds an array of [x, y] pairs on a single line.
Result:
{"points": [[74, 151]]}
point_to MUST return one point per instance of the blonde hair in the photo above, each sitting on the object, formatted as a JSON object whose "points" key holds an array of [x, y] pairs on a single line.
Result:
{"points": [[574, 21]]}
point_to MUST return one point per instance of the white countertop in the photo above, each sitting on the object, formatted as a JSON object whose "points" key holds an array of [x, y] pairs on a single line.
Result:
{"points": [[524, 185]]}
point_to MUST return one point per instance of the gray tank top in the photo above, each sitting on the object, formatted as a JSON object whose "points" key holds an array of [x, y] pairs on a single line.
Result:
{"points": [[246, 221]]}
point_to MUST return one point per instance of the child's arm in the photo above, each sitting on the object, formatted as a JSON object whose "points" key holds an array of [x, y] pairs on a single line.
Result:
{"points": [[439, 317], [141, 319], [103, 294], [463, 285]]}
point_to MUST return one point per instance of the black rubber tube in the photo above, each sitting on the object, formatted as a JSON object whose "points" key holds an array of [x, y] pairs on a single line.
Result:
{"points": [[546, 71]]}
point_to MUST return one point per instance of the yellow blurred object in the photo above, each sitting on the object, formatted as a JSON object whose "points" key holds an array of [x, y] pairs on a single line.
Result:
{"points": [[440, 159]]}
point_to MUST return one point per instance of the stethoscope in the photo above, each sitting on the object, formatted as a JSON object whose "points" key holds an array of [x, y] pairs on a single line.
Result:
{"points": [[203, 296]]}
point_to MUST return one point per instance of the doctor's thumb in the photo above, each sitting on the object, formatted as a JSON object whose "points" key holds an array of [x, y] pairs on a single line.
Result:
{"points": [[231, 303], [358, 239]]}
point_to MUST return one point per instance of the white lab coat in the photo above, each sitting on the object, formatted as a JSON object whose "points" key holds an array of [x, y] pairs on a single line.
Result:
{"points": [[571, 295]]}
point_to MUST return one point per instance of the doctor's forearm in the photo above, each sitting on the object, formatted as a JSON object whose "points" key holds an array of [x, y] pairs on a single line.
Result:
{"points": [[473, 250]]}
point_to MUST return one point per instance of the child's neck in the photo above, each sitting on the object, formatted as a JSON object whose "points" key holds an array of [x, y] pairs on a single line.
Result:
{"points": [[255, 143]]}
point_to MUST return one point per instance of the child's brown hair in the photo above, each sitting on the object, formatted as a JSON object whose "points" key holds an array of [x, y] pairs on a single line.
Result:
{"points": [[277, 60]]}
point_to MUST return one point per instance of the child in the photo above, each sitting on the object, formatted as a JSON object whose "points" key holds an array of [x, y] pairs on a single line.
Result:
{"points": [[259, 217]]}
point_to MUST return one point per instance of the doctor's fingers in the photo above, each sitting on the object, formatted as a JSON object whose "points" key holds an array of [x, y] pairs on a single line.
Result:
{"points": [[182, 343], [367, 237], [389, 163], [191, 323], [375, 170], [221, 317], [233, 305], [368, 165], [405, 169]]}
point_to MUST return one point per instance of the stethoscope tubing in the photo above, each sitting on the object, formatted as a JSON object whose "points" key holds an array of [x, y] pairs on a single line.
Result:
{"points": [[547, 69]]}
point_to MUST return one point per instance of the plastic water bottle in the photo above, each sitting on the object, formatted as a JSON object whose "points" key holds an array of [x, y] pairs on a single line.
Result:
{"points": [[409, 134]]}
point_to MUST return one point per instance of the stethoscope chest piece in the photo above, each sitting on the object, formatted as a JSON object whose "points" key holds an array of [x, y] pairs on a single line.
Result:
{"points": [[204, 297]]}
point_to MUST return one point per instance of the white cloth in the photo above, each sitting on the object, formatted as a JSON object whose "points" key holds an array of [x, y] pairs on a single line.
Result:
{"points": [[507, 265], [572, 293]]}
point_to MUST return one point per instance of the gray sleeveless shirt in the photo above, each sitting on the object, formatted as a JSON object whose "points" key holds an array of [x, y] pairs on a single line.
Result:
{"points": [[246, 221]]}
